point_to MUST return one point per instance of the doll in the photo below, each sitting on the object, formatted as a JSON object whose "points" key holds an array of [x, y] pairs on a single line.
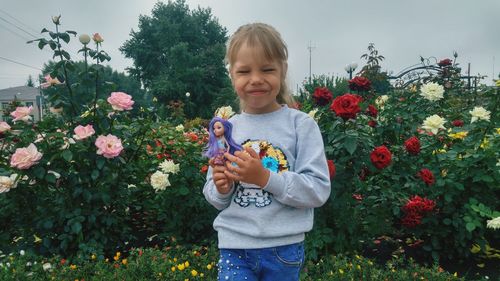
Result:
{"points": [[220, 140]]}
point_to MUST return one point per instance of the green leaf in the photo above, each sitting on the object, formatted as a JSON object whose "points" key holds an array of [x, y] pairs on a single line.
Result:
{"points": [[71, 32], [44, 30], [67, 155], [76, 227], [447, 221], [95, 174], [64, 37], [470, 226], [47, 224], [39, 172], [100, 163], [41, 44], [50, 178], [183, 191], [350, 144]]}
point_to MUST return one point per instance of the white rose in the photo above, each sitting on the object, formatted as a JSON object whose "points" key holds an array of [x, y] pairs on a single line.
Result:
{"points": [[7, 183], [46, 266], [180, 128], [381, 100], [84, 39], [479, 113], [159, 181], [168, 166], [433, 123], [224, 112], [432, 91], [494, 223]]}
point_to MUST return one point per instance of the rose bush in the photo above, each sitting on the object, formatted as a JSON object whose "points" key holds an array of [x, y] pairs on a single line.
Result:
{"points": [[83, 180], [417, 164]]}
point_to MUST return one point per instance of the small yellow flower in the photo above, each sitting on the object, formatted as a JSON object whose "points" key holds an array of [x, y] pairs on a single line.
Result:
{"points": [[194, 272], [358, 257], [497, 130], [175, 259], [186, 264], [124, 261], [358, 267], [444, 172], [485, 143], [370, 262], [341, 271], [497, 83], [93, 257], [172, 268], [181, 267], [455, 274], [209, 266], [393, 270], [160, 274], [458, 135], [73, 267], [106, 260], [439, 151], [202, 275]]}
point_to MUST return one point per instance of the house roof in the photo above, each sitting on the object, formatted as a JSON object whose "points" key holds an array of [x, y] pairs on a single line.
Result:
{"points": [[22, 93]]}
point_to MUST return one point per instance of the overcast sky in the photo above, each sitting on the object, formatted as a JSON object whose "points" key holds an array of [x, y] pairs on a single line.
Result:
{"points": [[338, 31]]}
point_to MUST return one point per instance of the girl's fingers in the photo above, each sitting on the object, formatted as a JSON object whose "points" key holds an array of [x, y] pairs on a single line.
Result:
{"points": [[232, 176], [251, 152]]}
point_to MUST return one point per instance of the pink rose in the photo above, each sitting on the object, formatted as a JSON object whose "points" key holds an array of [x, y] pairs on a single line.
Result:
{"points": [[25, 157], [4, 127], [97, 38], [49, 81], [22, 113], [120, 101], [83, 132], [108, 146]]}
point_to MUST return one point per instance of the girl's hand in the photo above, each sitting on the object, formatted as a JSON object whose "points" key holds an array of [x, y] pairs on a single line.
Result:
{"points": [[222, 183], [249, 169]]}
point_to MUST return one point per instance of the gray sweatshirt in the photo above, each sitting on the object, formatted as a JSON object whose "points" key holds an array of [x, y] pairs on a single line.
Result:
{"points": [[290, 145]]}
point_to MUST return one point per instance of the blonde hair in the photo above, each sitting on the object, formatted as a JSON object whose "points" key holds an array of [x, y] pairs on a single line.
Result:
{"points": [[273, 48]]}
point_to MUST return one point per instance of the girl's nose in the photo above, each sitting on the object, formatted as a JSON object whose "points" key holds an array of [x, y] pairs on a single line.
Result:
{"points": [[256, 78]]}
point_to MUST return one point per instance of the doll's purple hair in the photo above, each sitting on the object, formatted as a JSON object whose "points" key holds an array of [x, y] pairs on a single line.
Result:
{"points": [[212, 148]]}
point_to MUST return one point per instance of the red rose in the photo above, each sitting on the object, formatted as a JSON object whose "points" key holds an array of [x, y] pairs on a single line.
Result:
{"points": [[204, 169], [411, 220], [457, 123], [358, 197], [415, 209], [331, 168], [427, 176], [372, 123], [381, 157], [346, 106], [412, 145], [359, 83], [444, 62], [372, 111], [322, 96]]}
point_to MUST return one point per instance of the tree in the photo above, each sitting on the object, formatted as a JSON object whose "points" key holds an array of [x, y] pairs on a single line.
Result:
{"points": [[177, 51], [112, 81], [30, 82]]}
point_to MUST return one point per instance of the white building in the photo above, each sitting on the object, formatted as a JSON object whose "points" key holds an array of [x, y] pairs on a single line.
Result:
{"points": [[26, 96]]}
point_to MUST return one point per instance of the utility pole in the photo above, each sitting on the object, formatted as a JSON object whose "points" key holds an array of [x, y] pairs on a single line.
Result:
{"points": [[310, 48]]}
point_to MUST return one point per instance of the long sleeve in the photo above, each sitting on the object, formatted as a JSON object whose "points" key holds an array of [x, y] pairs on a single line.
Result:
{"points": [[216, 199], [308, 185]]}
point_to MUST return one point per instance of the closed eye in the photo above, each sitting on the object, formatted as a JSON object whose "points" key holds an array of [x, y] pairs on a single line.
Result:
{"points": [[269, 69]]}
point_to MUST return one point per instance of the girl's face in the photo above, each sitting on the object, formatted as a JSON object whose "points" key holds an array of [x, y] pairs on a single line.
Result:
{"points": [[218, 129], [256, 80]]}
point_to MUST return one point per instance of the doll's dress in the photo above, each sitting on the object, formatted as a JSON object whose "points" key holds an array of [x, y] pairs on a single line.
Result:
{"points": [[219, 158]]}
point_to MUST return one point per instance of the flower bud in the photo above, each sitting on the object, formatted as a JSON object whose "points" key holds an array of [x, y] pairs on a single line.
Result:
{"points": [[188, 94], [84, 39], [97, 38], [55, 19]]}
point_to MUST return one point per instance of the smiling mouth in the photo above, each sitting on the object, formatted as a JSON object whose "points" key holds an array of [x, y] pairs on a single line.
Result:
{"points": [[257, 93]]}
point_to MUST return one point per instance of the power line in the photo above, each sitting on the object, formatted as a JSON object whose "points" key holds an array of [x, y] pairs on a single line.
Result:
{"points": [[20, 28], [20, 22], [20, 63], [15, 33]]}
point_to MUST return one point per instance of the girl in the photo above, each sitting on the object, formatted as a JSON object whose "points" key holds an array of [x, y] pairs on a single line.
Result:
{"points": [[220, 140], [267, 192]]}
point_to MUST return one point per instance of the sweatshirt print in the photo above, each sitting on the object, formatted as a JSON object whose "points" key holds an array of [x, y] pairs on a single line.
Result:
{"points": [[290, 145]]}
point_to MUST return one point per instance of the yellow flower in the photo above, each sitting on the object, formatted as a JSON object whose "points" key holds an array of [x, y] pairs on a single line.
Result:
{"points": [[124, 261], [497, 83], [194, 272], [106, 260], [159, 274], [438, 151], [370, 262], [181, 267], [475, 249], [73, 267], [358, 267], [202, 275], [209, 266], [173, 268], [39, 240], [485, 143], [93, 257], [175, 259], [358, 257], [444, 172], [186, 264], [341, 271], [497, 130], [458, 135], [455, 274]]}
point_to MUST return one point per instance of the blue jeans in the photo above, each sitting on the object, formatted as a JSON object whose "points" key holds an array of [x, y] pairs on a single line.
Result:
{"points": [[281, 263]]}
